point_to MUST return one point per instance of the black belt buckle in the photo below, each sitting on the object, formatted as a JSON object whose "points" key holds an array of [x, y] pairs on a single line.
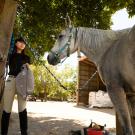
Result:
{"points": [[12, 76]]}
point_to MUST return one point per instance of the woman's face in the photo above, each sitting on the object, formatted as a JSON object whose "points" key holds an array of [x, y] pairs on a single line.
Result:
{"points": [[20, 45]]}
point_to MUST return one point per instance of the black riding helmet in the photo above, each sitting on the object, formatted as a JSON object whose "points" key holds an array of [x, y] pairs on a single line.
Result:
{"points": [[20, 40]]}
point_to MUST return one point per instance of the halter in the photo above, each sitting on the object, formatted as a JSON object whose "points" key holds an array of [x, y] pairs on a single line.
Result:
{"points": [[67, 44]]}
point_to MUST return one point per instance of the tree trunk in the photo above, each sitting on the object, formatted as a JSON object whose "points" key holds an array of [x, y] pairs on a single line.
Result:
{"points": [[7, 18]]}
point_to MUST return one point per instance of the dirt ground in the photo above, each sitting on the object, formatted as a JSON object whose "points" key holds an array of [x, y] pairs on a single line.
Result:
{"points": [[58, 118]]}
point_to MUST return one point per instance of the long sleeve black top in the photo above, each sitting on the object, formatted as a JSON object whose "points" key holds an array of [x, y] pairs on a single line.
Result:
{"points": [[16, 61]]}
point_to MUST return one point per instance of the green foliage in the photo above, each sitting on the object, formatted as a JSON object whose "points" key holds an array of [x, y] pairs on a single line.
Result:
{"points": [[44, 82], [38, 20]]}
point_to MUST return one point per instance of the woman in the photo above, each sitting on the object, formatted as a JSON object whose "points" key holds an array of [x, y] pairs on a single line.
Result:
{"points": [[15, 61]]}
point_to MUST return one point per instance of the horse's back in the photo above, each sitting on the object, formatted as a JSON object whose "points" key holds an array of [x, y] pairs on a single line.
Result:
{"points": [[118, 63], [131, 34]]}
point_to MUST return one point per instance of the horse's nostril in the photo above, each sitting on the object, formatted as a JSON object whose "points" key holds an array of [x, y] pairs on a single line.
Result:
{"points": [[52, 59], [48, 59]]}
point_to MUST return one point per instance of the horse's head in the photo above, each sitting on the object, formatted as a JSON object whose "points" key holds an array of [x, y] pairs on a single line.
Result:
{"points": [[64, 45]]}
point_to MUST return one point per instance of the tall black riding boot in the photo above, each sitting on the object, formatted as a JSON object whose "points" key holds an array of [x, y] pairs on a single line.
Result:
{"points": [[23, 122], [5, 123]]}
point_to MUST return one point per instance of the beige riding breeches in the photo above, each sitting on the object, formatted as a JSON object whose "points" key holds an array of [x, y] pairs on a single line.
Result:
{"points": [[9, 94]]}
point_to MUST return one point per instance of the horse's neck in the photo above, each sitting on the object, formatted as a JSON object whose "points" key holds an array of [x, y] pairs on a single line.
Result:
{"points": [[94, 42]]}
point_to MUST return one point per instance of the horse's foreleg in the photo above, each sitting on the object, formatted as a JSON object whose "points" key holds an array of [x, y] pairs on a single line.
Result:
{"points": [[118, 98], [131, 99]]}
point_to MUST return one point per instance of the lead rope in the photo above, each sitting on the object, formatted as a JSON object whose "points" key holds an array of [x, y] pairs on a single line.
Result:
{"points": [[61, 85]]}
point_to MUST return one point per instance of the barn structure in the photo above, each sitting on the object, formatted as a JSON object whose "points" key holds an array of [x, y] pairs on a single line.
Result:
{"points": [[86, 69]]}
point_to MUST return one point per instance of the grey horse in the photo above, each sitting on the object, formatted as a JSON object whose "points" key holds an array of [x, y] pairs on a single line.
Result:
{"points": [[113, 52]]}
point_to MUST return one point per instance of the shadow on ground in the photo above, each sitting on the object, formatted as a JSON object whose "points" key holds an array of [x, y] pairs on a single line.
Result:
{"points": [[44, 125], [104, 110]]}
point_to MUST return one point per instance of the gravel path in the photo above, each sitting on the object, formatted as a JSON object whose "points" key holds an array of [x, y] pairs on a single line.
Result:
{"points": [[58, 118]]}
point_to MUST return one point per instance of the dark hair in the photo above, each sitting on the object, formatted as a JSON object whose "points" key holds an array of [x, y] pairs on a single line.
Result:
{"points": [[19, 40]]}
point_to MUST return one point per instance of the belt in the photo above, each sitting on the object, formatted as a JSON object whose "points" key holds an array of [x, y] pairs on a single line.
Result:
{"points": [[12, 76]]}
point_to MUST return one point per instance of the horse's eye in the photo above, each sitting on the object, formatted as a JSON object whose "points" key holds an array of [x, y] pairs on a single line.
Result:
{"points": [[60, 36]]}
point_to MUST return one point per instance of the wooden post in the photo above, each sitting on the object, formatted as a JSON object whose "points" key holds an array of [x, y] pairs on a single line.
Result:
{"points": [[82, 97]]}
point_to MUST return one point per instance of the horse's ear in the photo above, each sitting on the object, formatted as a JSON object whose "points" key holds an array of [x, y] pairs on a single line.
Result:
{"points": [[68, 21], [131, 34]]}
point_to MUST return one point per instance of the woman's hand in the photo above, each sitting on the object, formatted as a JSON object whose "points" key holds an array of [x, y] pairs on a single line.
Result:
{"points": [[27, 64]]}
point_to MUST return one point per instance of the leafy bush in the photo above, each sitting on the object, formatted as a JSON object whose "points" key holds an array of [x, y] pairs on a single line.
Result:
{"points": [[45, 82]]}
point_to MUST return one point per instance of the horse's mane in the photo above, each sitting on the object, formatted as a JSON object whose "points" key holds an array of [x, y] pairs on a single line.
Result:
{"points": [[98, 37]]}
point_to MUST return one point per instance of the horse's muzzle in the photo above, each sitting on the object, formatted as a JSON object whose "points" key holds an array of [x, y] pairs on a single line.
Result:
{"points": [[52, 59]]}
